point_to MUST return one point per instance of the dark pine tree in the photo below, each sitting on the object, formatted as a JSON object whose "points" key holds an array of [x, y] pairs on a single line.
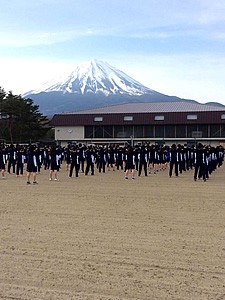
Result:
{"points": [[20, 119]]}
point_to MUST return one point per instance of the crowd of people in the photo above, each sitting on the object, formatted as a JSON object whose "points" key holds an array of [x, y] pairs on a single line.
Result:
{"points": [[149, 158]]}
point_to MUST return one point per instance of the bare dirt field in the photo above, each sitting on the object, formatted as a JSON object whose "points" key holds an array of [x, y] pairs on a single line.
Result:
{"points": [[104, 237]]}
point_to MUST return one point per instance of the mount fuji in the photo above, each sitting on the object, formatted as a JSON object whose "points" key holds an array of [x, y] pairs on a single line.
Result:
{"points": [[91, 85]]}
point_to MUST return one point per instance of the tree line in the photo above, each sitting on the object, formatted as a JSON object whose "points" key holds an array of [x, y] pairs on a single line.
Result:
{"points": [[20, 119]]}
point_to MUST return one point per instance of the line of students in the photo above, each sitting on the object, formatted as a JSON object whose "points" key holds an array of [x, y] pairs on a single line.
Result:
{"points": [[14, 159], [81, 158], [153, 158]]}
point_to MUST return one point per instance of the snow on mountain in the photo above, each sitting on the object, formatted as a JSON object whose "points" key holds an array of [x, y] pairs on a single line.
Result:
{"points": [[96, 77]]}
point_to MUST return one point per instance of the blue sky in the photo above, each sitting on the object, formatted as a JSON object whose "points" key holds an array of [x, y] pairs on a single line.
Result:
{"points": [[176, 47]]}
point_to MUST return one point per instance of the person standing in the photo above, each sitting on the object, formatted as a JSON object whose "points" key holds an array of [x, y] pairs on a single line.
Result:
{"points": [[111, 158], [102, 158], [129, 162], [82, 150], [11, 158], [2, 161], [74, 161], [20, 158], [143, 160], [119, 157], [54, 163], [46, 160], [173, 160], [200, 163], [31, 165], [90, 159]]}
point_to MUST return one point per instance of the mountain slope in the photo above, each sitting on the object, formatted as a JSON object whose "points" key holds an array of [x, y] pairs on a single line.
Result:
{"points": [[91, 85], [96, 77]]}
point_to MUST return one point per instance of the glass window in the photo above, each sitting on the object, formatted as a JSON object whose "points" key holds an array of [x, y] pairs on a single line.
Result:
{"points": [[215, 131], [118, 132], [181, 131], [192, 117], [170, 131], [108, 131], [192, 131], [88, 132], [159, 118], [223, 117], [138, 131], [159, 131], [128, 118], [98, 119], [149, 131], [128, 131], [204, 130], [98, 131], [222, 131]]}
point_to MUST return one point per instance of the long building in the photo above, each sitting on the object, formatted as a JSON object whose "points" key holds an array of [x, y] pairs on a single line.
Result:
{"points": [[169, 122]]}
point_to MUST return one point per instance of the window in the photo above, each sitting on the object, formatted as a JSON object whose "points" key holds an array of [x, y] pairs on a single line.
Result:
{"points": [[118, 131], [98, 131], [108, 131], [181, 131], [192, 131], [149, 131], [222, 131], [128, 131], [98, 119], [159, 131], [204, 130], [170, 131], [159, 118], [128, 118], [215, 131], [223, 117], [138, 131], [192, 117], [88, 132]]}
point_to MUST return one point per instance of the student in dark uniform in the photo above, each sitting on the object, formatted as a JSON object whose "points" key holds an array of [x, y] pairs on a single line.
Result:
{"points": [[74, 160], [38, 158], [111, 158], [31, 165], [200, 162], [136, 156], [67, 157], [151, 157], [46, 159], [119, 157], [180, 158], [102, 159], [129, 162], [90, 160], [82, 149], [143, 160], [173, 160], [2, 161], [11, 158], [54, 156], [20, 159]]}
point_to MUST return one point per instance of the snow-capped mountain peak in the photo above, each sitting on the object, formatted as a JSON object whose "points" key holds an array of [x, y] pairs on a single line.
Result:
{"points": [[96, 77]]}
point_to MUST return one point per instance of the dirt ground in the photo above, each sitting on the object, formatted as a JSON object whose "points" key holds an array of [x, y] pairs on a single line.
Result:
{"points": [[104, 237]]}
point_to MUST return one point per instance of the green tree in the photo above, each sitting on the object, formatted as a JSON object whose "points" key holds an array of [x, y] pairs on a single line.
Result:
{"points": [[2, 93], [21, 120]]}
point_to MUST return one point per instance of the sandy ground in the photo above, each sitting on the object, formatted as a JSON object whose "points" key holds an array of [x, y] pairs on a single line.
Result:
{"points": [[104, 237]]}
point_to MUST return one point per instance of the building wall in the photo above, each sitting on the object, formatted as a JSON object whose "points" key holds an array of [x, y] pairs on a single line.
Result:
{"points": [[210, 134], [69, 133]]}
